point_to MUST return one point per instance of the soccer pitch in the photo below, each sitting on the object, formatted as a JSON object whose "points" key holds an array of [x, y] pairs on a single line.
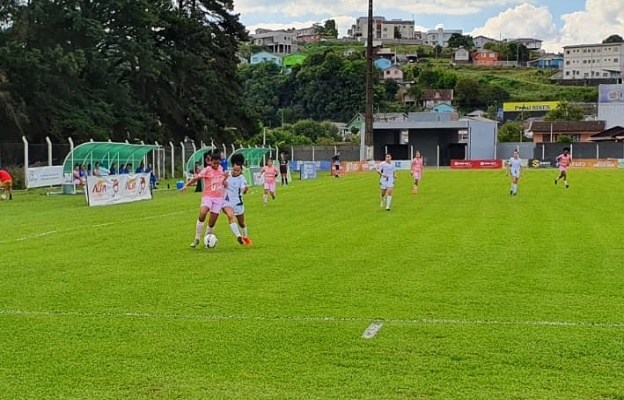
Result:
{"points": [[479, 295]]}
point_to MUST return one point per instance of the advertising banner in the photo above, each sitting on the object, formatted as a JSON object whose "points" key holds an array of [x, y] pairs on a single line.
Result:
{"points": [[476, 164], [537, 106], [115, 189], [320, 165], [611, 94], [621, 163], [256, 179], [594, 163], [542, 164], [308, 170], [44, 176]]}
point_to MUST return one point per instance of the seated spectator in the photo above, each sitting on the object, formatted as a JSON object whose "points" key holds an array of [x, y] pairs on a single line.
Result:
{"points": [[96, 170], [77, 178], [128, 168], [141, 168], [113, 169]]}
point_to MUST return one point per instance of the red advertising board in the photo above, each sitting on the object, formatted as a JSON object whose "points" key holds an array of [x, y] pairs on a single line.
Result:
{"points": [[476, 164]]}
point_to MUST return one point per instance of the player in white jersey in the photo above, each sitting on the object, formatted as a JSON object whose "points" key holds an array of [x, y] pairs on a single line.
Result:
{"points": [[233, 202], [387, 174], [514, 168]]}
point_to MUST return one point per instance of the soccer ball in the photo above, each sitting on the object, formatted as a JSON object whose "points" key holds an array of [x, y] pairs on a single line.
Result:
{"points": [[2, 196], [210, 240]]}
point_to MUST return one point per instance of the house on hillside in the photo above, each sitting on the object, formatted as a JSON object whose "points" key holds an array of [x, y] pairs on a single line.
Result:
{"points": [[461, 55], [434, 97], [480, 41], [547, 62], [394, 72], [485, 57], [264, 56], [579, 131]]}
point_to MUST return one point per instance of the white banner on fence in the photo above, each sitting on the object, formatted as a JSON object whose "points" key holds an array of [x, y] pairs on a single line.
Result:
{"points": [[44, 176], [115, 189]]}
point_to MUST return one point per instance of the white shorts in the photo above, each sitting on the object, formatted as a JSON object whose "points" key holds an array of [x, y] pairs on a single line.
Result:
{"points": [[515, 174], [238, 210], [386, 185]]}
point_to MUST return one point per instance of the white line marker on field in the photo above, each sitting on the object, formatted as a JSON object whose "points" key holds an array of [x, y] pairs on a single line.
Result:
{"points": [[213, 317], [372, 330]]}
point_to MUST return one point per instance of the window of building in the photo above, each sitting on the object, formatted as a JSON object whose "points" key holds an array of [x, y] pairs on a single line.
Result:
{"points": [[567, 73], [615, 60], [567, 62], [605, 74]]}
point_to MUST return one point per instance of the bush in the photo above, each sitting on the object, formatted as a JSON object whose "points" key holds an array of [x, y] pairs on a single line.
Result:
{"points": [[18, 177]]}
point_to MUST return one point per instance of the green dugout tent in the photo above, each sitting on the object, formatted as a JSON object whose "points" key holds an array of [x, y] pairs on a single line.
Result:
{"points": [[254, 160], [253, 155], [196, 157], [106, 153]]}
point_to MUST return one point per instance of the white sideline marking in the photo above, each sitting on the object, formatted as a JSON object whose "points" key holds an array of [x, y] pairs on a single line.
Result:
{"points": [[191, 317], [372, 330], [41, 234]]}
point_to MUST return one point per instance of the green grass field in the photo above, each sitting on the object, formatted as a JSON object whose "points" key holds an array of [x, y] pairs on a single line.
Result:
{"points": [[481, 295]]}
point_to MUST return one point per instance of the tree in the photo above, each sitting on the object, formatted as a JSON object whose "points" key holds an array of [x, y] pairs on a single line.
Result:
{"points": [[510, 131], [564, 139], [565, 112], [458, 40], [391, 88], [614, 39], [467, 93], [116, 69]]}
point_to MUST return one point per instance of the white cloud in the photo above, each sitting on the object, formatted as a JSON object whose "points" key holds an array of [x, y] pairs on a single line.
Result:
{"points": [[525, 20], [600, 19]]}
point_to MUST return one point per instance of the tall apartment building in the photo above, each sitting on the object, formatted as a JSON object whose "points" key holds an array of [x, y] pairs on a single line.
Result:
{"points": [[593, 61], [382, 28]]}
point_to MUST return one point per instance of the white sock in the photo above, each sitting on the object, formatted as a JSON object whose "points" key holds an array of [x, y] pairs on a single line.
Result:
{"points": [[245, 231], [234, 228], [265, 198], [388, 201], [198, 229], [515, 187], [565, 182], [209, 230]]}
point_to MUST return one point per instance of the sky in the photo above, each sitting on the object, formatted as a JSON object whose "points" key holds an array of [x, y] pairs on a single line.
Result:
{"points": [[556, 22]]}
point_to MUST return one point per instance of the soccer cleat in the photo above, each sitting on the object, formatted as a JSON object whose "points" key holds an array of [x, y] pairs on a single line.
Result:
{"points": [[388, 209], [414, 191], [556, 181], [567, 186], [195, 243], [240, 240], [511, 192], [247, 241]]}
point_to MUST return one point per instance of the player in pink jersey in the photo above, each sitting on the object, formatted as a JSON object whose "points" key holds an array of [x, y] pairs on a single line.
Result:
{"points": [[564, 160], [214, 179], [417, 168], [270, 178]]}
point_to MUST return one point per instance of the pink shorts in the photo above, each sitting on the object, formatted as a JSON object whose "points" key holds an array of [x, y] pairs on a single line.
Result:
{"points": [[416, 175], [563, 169], [213, 204], [270, 187]]}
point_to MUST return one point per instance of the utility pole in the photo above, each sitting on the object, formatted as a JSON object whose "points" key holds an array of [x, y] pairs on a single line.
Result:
{"points": [[368, 120]]}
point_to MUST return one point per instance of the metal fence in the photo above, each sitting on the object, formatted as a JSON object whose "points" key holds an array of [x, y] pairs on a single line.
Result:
{"points": [[324, 153], [550, 151]]}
